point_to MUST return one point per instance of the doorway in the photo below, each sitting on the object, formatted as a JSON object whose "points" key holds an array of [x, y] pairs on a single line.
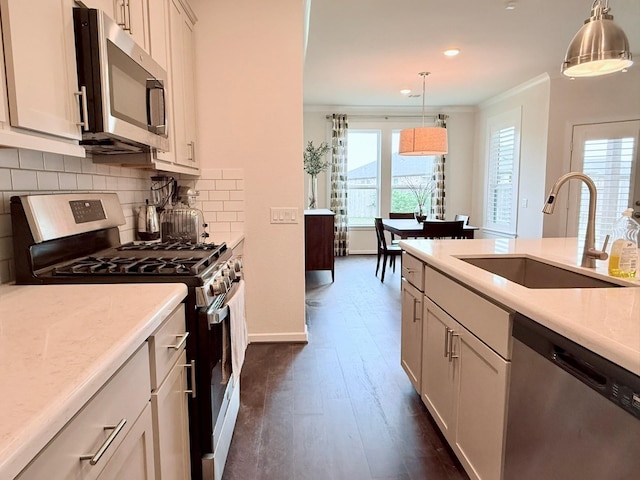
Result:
{"points": [[608, 153]]}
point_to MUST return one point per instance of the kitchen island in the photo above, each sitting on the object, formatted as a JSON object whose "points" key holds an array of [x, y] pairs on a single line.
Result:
{"points": [[603, 320], [462, 331], [59, 344]]}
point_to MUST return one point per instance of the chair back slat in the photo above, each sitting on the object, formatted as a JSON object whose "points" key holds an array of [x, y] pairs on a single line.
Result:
{"points": [[464, 218], [451, 229], [401, 215], [382, 241]]}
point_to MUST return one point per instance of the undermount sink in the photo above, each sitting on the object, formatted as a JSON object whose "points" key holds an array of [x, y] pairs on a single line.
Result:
{"points": [[532, 273]]}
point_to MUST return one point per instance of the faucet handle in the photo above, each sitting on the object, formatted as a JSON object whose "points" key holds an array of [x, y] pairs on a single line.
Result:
{"points": [[604, 245], [601, 254]]}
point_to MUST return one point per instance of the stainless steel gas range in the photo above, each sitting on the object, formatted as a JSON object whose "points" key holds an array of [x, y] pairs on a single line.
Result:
{"points": [[74, 238]]}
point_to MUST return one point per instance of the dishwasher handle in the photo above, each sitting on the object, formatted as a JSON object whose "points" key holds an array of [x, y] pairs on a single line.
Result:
{"points": [[578, 368]]}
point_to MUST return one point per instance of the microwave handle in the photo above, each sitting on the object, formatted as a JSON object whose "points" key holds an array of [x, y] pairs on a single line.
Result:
{"points": [[156, 110], [82, 97]]}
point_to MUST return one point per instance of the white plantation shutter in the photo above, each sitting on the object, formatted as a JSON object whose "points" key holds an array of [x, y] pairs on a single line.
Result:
{"points": [[502, 173], [609, 163], [606, 152]]}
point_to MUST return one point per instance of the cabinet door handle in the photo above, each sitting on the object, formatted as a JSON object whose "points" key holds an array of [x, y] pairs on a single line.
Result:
{"points": [[192, 150], [192, 366], [180, 344], [82, 98], [95, 458], [451, 355], [416, 311], [446, 341]]}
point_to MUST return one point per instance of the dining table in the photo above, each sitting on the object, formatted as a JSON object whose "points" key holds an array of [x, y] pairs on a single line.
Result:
{"points": [[410, 228]]}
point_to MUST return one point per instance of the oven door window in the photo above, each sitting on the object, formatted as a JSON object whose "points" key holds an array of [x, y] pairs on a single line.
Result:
{"points": [[128, 83]]}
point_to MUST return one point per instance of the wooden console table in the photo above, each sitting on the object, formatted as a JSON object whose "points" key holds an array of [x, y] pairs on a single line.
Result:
{"points": [[318, 239]]}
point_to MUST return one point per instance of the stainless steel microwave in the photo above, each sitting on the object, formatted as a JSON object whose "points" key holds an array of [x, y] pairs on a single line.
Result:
{"points": [[122, 88]]}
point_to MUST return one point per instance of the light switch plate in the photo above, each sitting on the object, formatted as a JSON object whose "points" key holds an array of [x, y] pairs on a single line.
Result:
{"points": [[284, 215]]}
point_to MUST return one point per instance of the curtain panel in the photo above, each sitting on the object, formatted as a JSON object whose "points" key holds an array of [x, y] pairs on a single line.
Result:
{"points": [[438, 200], [338, 202]]}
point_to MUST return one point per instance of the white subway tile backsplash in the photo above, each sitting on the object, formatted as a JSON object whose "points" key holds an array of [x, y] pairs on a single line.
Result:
{"points": [[6, 248], [5, 225], [240, 185], [53, 162], [68, 181], [85, 182], [226, 217], [31, 159], [88, 166], [219, 195], [24, 180], [48, 181], [233, 206], [211, 173], [102, 169], [112, 183], [236, 195], [225, 185], [99, 182], [9, 158], [5, 179], [73, 164], [213, 206], [205, 185]]}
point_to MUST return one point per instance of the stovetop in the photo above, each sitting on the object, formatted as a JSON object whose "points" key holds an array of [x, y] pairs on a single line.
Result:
{"points": [[145, 259]]}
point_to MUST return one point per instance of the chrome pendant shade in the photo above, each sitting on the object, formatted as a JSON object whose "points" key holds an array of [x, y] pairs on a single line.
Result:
{"points": [[423, 140], [600, 47]]}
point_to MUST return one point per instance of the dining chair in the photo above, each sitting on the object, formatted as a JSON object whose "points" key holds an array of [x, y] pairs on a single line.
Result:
{"points": [[385, 251], [400, 216], [464, 218], [450, 229]]}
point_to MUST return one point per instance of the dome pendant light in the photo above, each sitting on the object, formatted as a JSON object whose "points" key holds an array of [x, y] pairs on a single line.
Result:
{"points": [[600, 47], [423, 140]]}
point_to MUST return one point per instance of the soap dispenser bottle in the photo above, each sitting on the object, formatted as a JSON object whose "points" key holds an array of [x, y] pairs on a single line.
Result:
{"points": [[623, 260]]}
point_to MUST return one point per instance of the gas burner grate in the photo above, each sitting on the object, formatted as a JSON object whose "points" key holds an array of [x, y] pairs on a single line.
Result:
{"points": [[173, 246], [133, 266]]}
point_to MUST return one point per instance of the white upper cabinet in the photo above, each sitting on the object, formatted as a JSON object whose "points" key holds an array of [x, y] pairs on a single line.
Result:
{"points": [[41, 79], [131, 15]]}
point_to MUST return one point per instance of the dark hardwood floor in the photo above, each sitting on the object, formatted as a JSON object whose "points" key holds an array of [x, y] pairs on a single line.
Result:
{"points": [[339, 407]]}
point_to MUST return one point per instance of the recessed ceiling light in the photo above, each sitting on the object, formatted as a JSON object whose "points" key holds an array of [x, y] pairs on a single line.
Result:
{"points": [[405, 91], [510, 4], [452, 52]]}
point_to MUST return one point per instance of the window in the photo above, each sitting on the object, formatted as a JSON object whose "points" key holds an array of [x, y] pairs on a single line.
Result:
{"points": [[363, 170], [407, 174], [378, 177], [606, 153], [502, 173]]}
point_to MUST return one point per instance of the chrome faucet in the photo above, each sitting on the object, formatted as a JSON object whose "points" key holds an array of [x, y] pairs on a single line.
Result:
{"points": [[589, 253]]}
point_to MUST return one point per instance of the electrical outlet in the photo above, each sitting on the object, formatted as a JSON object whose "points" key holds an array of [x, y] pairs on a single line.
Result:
{"points": [[284, 215]]}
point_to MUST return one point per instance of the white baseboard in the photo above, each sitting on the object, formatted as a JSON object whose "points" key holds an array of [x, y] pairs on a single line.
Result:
{"points": [[286, 337], [362, 252]]}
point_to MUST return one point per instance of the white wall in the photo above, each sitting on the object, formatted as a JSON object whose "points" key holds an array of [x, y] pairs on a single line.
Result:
{"points": [[249, 114], [533, 100], [458, 167], [574, 102]]}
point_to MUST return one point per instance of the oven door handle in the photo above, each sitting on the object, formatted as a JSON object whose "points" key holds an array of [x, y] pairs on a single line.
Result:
{"points": [[217, 312]]}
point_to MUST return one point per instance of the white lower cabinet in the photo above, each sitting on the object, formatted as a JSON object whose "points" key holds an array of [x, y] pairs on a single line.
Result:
{"points": [[464, 386], [171, 424], [127, 430], [169, 403], [89, 447], [411, 333], [456, 350]]}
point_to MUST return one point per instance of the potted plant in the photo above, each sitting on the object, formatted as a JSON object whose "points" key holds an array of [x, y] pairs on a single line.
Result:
{"points": [[421, 189], [313, 165]]}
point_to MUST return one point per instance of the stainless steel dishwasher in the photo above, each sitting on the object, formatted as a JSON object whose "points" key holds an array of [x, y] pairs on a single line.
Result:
{"points": [[571, 413]]}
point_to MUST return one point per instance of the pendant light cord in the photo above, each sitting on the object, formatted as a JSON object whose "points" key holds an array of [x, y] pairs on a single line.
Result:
{"points": [[424, 75]]}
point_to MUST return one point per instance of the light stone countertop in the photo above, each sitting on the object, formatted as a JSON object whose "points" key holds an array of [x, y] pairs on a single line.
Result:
{"points": [[604, 320], [58, 345]]}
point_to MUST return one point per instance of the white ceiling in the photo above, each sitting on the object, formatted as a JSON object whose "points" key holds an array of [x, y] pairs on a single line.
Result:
{"points": [[363, 52]]}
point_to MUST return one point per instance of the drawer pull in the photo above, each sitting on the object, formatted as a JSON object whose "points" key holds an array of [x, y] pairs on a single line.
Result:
{"points": [[451, 354], [446, 341], [192, 366], [180, 344], [95, 458]]}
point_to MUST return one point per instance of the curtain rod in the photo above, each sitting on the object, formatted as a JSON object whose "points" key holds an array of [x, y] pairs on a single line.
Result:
{"points": [[386, 117]]}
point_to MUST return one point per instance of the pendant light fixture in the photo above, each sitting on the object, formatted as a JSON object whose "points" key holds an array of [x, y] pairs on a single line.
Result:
{"points": [[600, 46], [423, 140]]}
